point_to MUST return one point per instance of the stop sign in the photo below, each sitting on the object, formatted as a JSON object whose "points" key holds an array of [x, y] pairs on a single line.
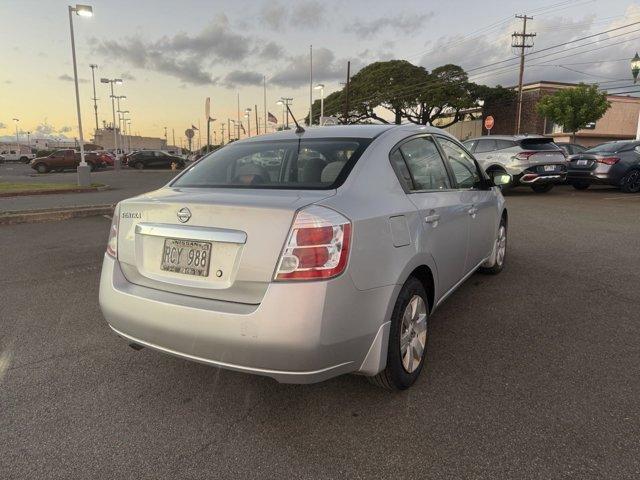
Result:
{"points": [[488, 122]]}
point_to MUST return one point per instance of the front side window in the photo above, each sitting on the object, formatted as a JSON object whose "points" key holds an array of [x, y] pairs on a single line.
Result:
{"points": [[486, 146], [425, 164], [292, 164], [462, 165]]}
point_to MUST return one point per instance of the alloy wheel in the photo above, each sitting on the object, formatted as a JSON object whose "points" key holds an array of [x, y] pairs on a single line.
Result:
{"points": [[501, 245], [413, 333]]}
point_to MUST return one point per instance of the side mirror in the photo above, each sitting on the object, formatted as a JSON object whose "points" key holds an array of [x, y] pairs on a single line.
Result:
{"points": [[501, 178]]}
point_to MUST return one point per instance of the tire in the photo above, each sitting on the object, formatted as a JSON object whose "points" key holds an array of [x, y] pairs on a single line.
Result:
{"points": [[138, 166], [42, 168], [402, 370], [92, 166], [580, 186], [24, 159], [499, 254], [180, 165], [543, 188], [630, 183]]}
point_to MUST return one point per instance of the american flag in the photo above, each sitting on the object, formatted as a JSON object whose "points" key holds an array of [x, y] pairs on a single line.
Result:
{"points": [[272, 118], [193, 127]]}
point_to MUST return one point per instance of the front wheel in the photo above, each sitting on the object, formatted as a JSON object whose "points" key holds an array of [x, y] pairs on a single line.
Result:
{"points": [[631, 182], [138, 165], [542, 188], [42, 168], [407, 338], [580, 186], [24, 159], [495, 264]]}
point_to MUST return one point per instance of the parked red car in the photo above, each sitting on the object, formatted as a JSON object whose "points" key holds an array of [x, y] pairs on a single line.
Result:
{"points": [[65, 159]]}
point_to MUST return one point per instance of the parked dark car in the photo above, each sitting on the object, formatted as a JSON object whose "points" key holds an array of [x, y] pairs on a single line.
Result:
{"points": [[611, 163], [61, 160], [571, 148], [153, 159]]}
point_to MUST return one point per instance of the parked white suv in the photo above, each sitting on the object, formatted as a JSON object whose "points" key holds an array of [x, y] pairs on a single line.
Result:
{"points": [[19, 153]]}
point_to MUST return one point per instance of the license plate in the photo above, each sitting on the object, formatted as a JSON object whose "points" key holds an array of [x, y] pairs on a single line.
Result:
{"points": [[549, 168], [581, 163], [188, 257]]}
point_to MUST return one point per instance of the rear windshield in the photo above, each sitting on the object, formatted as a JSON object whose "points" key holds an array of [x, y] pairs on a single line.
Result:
{"points": [[611, 147], [538, 144], [317, 164]]}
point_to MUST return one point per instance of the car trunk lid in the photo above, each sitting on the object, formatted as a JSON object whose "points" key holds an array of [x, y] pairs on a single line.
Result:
{"points": [[244, 231]]}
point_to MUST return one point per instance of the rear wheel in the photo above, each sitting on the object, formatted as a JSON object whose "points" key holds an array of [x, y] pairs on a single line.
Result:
{"points": [[92, 166], [542, 188], [580, 186], [24, 159], [631, 182], [42, 168], [407, 338]]}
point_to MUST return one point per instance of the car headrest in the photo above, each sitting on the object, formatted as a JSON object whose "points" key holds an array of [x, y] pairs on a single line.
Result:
{"points": [[331, 171], [312, 170]]}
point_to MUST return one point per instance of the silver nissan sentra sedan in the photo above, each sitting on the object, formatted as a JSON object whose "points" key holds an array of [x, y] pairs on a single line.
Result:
{"points": [[303, 256]]}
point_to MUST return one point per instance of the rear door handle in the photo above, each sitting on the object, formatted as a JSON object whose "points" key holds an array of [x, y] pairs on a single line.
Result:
{"points": [[432, 218]]}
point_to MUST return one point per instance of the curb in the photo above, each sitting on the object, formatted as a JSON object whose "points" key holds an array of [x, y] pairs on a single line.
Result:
{"points": [[55, 214], [25, 193]]}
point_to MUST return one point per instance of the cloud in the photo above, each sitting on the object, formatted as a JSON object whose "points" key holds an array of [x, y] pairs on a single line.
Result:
{"points": [[65, 129], [8, 82], [182, 56], [325, 68], [271, 51], [593, 63], [3, 125], [301, 14], [404, 23], [240, 77], [127, 76], [68, 78]]}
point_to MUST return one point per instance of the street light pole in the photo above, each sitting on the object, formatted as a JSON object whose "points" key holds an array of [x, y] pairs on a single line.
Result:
{"points": [[247, 115], [16, 120], [635, 70], [84, 176], [112, 81], [320, 87], [95, 99]]}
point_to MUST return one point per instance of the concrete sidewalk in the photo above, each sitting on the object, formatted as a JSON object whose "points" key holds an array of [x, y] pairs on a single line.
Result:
{"points": [[124, 184]]}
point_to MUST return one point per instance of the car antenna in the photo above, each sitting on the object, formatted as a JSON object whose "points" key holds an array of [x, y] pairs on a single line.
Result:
{"points": [[299, 129]]}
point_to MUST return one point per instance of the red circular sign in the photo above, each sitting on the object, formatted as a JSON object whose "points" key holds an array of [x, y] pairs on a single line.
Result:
{"points": [[488, 122]]}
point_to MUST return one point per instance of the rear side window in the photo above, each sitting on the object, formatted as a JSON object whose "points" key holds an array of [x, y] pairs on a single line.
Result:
{"points": [[425, 164], [469, 144], [486, 146], [292, 164]]}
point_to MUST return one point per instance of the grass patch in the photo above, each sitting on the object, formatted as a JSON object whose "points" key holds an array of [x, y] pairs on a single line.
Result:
{"points": [[12, 187]]}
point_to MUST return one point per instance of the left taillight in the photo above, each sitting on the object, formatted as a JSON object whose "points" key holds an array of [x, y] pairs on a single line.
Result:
{"points": [[317, 246], [608, 160], [112, 243]]}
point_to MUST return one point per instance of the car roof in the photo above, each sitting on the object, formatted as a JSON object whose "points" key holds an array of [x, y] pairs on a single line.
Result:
{"points": [[505, 137], [344, 131]]}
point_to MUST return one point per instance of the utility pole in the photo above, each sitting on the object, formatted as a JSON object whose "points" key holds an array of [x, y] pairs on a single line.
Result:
{"points": [[346, 96], [95, 99], [521, 41], [310, 85], [173, 131], [257, 126], [221, 133]]}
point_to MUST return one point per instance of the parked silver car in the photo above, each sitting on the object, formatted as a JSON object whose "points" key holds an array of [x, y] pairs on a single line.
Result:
{"points": [[532, 160], [329, 262]]}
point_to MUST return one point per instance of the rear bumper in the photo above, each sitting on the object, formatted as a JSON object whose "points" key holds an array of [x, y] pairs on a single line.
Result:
{"points": [[591, 177], [301, 332]]}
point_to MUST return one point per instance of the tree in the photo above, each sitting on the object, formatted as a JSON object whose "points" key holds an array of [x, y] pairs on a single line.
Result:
{"points": [[574, 108]]}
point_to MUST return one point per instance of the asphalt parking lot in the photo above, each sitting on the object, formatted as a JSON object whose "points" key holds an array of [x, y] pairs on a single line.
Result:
{"points": [[530, 374]]}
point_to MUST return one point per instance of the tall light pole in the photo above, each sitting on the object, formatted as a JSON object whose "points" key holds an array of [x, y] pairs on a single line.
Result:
{"points": [[95, 99], [84, 175], [229, 122], [29, 140], [16, 120], [112, 81], [285, 102], [121, 123], [118, 98], [635, 70], [247, 115], [320, 87], [129, 130]]}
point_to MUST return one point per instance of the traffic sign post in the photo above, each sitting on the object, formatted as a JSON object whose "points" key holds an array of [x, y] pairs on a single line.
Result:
{"points": [[189, 134], [488, 123], [207, 113]]}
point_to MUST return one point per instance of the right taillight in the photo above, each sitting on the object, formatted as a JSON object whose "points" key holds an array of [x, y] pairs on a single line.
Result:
{"points": [[608, 160], [112, 242], [317, 246], [524, 155]]}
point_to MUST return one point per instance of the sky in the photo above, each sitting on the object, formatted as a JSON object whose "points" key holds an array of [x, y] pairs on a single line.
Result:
{"points": [[173, 54]]}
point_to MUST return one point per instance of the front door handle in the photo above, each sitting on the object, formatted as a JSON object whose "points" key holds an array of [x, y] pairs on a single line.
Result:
{"points": [[432, 218], [472, 211]]}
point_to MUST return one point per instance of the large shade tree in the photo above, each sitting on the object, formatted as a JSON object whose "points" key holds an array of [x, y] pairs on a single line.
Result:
{"points": [[574, 108]]}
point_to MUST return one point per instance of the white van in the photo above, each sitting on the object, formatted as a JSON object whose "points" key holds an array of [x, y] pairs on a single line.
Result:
{"points": [[16, 153]]}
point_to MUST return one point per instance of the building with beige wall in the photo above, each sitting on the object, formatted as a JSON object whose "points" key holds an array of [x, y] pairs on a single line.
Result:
{"points": [[104, 137]]}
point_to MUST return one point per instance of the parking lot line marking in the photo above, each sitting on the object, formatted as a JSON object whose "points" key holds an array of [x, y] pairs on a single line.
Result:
{"points": [[637, 197]]}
